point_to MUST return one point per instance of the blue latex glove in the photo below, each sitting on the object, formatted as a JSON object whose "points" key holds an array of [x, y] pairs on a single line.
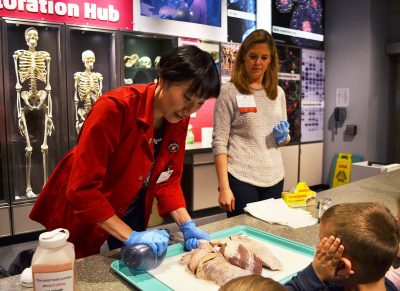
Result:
{"points": [[156, 239], [192, 234], [281, 131]]}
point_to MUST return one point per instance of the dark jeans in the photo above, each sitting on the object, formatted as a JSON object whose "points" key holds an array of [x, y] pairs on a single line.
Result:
{"points": [[246, 193], [134, 217]]}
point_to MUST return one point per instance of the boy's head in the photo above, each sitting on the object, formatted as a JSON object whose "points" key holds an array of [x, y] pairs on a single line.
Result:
{"points": [[369, 234], [252, 282]]}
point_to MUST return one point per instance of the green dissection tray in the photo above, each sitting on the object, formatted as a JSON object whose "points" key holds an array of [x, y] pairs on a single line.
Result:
{"points": [[145, 281]]}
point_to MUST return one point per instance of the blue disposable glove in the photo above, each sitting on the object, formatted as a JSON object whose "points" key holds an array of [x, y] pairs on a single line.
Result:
{"points": [[192, 234], [156, 239], [281, 131]]}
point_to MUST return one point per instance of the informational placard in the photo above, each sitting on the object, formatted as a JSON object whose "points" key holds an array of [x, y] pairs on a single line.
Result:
{"points": [[116, 14]]}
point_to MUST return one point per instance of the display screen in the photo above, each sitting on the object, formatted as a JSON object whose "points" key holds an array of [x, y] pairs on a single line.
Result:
{"points": [[206, 12], [298, 22], [241, 19]]}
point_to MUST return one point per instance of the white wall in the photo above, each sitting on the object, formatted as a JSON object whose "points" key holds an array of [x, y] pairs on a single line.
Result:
{"points": [[356, 33]]}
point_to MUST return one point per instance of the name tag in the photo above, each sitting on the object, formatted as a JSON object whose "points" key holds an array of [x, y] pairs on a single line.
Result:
{"points": [[164, 176], [246, 103]]}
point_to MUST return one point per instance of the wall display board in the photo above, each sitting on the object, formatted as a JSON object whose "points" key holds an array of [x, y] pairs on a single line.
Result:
{"points": [[206, 12], [141, 55], [241, 19], [289, 80], [34, 92], [299, 22], [209, 46], [113, 14], [203, 117], [165, 23], [229, 51], [313, 95], [91, 71]]}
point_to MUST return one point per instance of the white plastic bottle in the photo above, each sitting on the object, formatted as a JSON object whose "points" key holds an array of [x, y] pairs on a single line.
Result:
{"points": [[53, 264], [190, 135]]}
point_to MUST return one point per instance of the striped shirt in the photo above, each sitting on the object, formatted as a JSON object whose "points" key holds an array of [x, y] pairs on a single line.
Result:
{"points": [[253, 153]]}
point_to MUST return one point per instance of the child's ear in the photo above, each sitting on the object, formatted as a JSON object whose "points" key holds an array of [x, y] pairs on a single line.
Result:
{"points": [[344, 268]]}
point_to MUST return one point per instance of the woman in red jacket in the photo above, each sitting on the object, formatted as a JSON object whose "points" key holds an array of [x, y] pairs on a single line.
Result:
{"points": [[130, 150]]}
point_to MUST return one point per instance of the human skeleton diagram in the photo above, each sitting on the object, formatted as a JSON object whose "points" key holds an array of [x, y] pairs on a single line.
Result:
{"points": [[88, 87], [32, 70]]}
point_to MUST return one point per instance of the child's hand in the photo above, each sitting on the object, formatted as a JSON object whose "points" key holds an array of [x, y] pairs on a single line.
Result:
{"points": [[327, 258]]}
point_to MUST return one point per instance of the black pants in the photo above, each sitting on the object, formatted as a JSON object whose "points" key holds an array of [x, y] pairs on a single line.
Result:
{"points": [[134, 217], [246, 193]]}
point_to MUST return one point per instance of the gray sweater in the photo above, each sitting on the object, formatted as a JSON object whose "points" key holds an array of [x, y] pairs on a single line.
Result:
{"points": [[253, 154]]}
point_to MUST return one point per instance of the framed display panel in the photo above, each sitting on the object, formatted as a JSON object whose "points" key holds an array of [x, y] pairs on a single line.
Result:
{"points": [[40, 105], [241, 19], [3, 154], [299, 22], [212, 47], [289, 80], [313, 95], [185, 29], [206, 12], [229, 52], [88, 78], [141, 54]]}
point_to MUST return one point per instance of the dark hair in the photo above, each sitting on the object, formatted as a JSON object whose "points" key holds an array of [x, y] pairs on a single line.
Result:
{"points": [[191, 63], [369, 234], [270, 79]]}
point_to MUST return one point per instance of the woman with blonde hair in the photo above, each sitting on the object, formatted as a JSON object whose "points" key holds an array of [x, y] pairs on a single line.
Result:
{"points": [[250, 124]]}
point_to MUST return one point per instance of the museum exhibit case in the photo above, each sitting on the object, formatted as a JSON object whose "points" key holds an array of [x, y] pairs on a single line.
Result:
{"points": [[5, 226], [34, 106], [92, 57], [141, 53]]}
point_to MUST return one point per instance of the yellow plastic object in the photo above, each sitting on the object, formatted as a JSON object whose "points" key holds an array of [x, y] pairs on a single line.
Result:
{"points": [[342, 172], [300, 196]]}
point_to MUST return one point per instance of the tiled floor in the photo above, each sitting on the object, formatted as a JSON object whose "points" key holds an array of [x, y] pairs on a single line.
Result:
{"points": [[8, 253]]}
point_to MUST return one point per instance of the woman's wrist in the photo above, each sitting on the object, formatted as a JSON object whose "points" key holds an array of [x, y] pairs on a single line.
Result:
{"points": [[223, 188]]}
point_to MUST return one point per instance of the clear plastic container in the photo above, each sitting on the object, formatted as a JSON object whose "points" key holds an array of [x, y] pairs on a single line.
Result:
{"points": [[53, 264]]}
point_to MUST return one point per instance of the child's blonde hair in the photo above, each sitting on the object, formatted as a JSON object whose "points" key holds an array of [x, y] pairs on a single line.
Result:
{"points": [[252, 282]]}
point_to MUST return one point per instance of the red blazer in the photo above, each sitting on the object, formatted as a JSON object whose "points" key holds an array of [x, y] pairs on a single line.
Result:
{"points": [[102, 175]]}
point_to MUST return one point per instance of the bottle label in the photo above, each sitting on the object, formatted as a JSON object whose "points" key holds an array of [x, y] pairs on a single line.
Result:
{"points": [[54, 281]]}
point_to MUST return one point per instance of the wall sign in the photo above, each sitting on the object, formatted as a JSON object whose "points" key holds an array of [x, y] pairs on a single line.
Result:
{"points": [[116, 14]]}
